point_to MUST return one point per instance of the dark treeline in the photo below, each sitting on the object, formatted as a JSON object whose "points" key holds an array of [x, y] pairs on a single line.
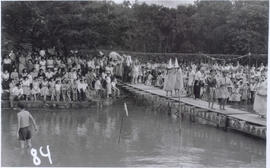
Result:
{"points": [[226, 27]]}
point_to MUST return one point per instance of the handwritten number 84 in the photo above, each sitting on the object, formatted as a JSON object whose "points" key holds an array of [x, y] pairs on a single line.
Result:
{"points": [[36, 159]]}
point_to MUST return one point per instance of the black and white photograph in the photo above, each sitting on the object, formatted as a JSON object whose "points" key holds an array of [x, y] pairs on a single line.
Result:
{"points": [[134, 83]]}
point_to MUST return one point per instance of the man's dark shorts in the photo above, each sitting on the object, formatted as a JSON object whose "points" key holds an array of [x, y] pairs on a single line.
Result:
{"points": [[25, 133]]}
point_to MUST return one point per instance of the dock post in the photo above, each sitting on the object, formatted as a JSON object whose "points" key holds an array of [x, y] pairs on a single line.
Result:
{"points": [[218, 116], [169, 108], [226, 123]]}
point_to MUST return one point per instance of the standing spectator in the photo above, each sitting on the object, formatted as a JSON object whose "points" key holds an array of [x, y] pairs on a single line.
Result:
{"points": [[44, 88], [260, 102], [98, 87], [115, 90], [197, 83], [211, 89], [108, 85], [14, 75], [22, 62], [191, 79], [35, 90], [222, 91], [26, 87], [74, 90], [52, 88], [64, 90], [58, 87]]}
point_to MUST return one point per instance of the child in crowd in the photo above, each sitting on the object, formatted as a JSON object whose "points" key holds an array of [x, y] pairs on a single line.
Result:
{"points": [[115, 90], [24, 73], [26, 88], [64, 90], [58, 87], [244, 90], [37, 65], [159, 80], [42, 63], [35, 89], [44, 88], [69, 90], [235, 97], [98, 87], [149, 78], [108, 85], [52, 89], [14, 75], [74, 90], [16, 93]]}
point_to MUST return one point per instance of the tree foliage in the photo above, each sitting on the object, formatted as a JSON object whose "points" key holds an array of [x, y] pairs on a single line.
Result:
{"points": [[228, 27]]}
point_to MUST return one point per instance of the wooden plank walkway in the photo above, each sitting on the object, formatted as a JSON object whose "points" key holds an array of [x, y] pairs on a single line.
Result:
{"points": [[231, 112]]}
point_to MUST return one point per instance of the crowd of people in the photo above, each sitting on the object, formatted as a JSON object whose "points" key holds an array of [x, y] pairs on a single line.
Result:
{"points": [[225, 82], [46, 75]]}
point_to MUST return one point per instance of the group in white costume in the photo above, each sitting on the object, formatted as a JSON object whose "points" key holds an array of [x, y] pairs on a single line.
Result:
{"points": [[173, 79]]}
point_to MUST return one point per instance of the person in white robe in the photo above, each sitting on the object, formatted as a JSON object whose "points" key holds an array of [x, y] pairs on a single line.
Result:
{"points": [[260, 102], [179, 84]]}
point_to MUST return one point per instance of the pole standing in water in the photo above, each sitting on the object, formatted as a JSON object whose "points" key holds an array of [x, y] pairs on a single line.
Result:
{"points": [[126, 110]]}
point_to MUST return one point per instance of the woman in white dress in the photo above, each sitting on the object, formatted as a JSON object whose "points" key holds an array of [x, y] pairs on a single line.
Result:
{"points": [[260, 102], [179, 84], [169, 79]]}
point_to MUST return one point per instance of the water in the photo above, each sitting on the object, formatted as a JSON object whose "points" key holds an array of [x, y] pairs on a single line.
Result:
{"points": [[89, 137]]}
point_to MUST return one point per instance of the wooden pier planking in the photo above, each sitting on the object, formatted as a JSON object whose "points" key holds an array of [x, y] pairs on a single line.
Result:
{"points": [[231, 112]]}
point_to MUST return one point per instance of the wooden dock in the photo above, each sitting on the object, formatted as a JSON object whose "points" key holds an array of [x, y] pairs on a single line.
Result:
{"points": [[229, 118]]}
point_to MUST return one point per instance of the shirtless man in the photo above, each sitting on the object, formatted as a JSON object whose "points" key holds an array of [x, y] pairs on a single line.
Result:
{"points": [[24, 129]]}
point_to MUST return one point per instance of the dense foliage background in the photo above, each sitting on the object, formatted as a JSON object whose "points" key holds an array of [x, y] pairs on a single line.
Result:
{"points": [[226, 27]]}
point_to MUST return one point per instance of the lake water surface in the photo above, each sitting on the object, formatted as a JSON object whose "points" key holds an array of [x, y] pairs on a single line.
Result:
{"points": [[89, 137]]}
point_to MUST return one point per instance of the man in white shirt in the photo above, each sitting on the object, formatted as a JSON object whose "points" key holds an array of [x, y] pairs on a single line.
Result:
{"points": [[197, 84]]}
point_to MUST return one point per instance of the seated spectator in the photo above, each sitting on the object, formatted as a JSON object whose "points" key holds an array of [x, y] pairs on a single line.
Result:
{"points": [[50, 63], [5, 80], [42, 63], [16, 93], [29, 65], [7, 64]]}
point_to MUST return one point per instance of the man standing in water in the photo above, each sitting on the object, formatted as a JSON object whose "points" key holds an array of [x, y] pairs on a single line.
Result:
{"points": [[24, 129]]}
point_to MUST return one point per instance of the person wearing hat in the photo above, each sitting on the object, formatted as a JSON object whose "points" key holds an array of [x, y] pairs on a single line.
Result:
{"points": [[169, 81], [24, 127], [179, 84]]}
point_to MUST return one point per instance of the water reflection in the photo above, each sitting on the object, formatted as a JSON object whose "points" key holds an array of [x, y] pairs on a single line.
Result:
{"points": [[88, 137]]}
